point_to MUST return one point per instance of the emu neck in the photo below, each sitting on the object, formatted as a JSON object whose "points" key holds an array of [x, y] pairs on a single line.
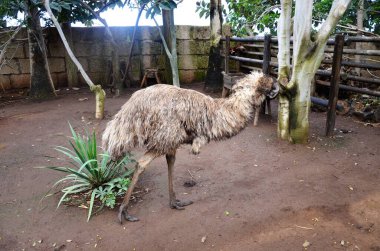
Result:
{"points": [[235, 112]]}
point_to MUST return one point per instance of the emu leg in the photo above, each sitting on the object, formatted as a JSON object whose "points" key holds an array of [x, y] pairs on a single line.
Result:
{"points": [[157, 78], [224, 92], [256, 119], [198, 142], [269, 106], [173, 202], [142, 163]]}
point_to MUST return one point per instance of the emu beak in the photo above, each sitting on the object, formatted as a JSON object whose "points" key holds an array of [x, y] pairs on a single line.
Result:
{"points": [[274, 91]]}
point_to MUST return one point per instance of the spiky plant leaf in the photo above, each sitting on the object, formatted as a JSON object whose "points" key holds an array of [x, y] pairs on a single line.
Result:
{"points": [[91, 173]]}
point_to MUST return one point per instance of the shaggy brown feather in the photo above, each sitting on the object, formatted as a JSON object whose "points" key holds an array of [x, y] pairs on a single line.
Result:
{"points": [[162, 117]]}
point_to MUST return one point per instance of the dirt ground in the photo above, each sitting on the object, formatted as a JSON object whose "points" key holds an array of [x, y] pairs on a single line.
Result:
{"points": [[253, 191]]}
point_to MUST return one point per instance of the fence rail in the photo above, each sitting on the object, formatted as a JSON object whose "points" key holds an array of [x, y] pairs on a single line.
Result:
{"points": [[330, 41]]}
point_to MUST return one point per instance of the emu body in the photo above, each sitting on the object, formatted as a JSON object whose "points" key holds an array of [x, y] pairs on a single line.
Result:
{"points": [[163, 117]]}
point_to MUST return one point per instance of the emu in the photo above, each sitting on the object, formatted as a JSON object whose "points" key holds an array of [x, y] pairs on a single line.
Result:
{"points": [[161, 118]]}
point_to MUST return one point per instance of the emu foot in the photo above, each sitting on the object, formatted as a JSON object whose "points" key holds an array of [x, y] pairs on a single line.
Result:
{"points": [[180, 205], [124, 215], [195, 151]]}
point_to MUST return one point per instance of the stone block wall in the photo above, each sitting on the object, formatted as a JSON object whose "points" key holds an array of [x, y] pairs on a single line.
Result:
{"points": [[93, 50]]}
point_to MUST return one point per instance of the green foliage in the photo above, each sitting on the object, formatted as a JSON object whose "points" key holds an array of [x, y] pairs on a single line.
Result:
{"points": [[108, 192], [92, 174], [371, 14], [73, 10], [155, 7], [203, 8], [245, 15], [10, 8], [65, 10], [249, 17], [60, 5]]}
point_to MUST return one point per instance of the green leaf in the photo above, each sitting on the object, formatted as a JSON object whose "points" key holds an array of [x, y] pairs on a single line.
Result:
{"points": [[172, 4], [78, 189], [157, 10], [66, 6], [69, 170], [202, 13], [69, 153], [91, 204], [85, 164], [148, 12], [67, 192], [164, 6]]}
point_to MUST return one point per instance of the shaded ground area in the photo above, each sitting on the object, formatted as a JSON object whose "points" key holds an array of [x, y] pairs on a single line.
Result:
{"points": [[253, 191]]}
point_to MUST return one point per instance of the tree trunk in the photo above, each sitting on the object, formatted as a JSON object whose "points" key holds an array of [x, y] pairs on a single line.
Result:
{"points": [[294, 103], [100, 94], [5, 48], [294, 100], [171, 53], [166, 30], [359, 19], [71, 69], [41, 83], [173, 49], [299, 106], [284, 33], [116, 74], [214, 79], [127, 73]]}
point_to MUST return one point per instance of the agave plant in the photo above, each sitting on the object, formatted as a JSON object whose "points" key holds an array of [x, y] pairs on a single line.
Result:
{"points": [[91, 173]]}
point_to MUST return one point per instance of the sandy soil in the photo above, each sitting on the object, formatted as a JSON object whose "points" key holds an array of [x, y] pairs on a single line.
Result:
{"points": [[253, 191]]}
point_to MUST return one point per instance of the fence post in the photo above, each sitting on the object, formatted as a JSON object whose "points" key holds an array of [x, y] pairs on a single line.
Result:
{"points": [[266, 66], [334, 85], [226, 64], [227, 55], [267, 56]]}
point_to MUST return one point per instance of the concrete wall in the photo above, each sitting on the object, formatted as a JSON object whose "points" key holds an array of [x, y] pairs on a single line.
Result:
{"points": [[94, 51]]}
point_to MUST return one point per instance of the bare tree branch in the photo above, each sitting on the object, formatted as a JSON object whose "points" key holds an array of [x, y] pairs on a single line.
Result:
{"points": [[336, 12], [133, 42], [69, 51], [162, 38], [4, 49], [97, 89], [102, 20], [350, 27]]}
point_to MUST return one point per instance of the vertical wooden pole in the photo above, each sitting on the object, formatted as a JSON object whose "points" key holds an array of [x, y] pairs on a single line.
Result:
{"points": [[359, 25], [226, 64], [267, 56], [266, 66], [166, 30], [334, 85], [227, 56]]}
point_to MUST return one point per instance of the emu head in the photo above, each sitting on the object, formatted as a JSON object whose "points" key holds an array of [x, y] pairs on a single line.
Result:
{"points": [[268, 86], [257, 83]]}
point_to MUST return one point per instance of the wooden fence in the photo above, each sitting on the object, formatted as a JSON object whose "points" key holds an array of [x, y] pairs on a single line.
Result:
{"points": [[259, 51]]}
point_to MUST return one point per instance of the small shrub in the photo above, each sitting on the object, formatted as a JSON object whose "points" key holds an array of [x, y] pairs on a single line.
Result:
{"points": [[92, 175]]}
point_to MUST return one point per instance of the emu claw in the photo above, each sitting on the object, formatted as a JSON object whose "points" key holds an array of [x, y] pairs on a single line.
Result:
{"points": [[180, 205], [131, 218], [124, 215]]}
